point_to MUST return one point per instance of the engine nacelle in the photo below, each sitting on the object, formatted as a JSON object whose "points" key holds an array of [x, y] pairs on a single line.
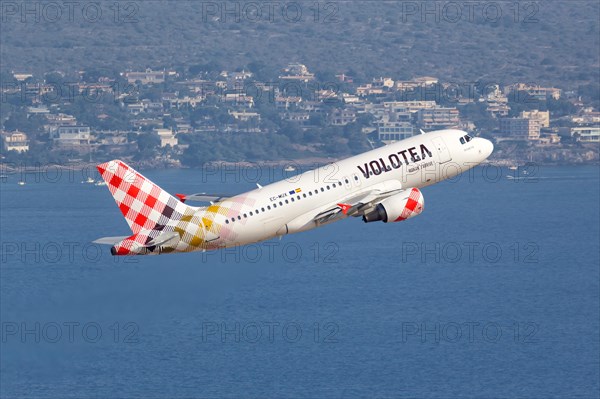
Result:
{"points": [[397, 208]]}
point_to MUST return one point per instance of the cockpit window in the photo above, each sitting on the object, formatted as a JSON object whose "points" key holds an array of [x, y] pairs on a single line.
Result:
{"points": [[465, 139]]}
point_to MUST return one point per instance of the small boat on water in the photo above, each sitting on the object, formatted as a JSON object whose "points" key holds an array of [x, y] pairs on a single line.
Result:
{"points": [[21, 183], [513, 167], [89, 181], [289, 168], [100, 183]]}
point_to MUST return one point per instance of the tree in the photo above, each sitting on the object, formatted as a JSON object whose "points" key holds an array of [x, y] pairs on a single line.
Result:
{"points": [[560, 107], [292, 131], [18, 120], [54, 78], [317, 120], [147, 142]]}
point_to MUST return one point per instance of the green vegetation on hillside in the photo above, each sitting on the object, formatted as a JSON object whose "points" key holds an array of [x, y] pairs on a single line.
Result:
{"points": [[530, 41]]}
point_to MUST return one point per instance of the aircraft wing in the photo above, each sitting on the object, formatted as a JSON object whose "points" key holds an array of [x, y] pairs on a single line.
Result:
{"points": [[357, 205]]}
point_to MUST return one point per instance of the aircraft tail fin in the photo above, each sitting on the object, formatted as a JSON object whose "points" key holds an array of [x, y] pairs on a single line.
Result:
{"points": [[144, 205]]}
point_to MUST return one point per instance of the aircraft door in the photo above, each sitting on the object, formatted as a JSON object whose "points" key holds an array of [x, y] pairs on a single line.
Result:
{"points": [[442, 150]]}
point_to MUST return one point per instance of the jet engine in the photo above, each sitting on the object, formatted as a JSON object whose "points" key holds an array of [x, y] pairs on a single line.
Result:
{"points": [[397, 208]]}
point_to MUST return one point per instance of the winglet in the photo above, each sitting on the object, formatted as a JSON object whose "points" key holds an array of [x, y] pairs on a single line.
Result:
{"points": [[345, 208], [182, 197]]}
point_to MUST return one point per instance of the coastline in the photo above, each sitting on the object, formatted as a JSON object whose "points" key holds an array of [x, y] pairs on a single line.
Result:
{"points": [[297, 164]]}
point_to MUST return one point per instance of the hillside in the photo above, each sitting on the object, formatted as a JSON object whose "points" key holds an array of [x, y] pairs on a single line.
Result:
{"points": [[363, 39]]}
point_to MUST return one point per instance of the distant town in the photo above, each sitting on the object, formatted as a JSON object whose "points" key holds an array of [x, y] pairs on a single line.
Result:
{"points": [[170, 118]]}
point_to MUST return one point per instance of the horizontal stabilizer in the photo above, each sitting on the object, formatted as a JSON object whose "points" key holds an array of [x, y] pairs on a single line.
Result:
{"points": [[202, 197], [109, 240]]}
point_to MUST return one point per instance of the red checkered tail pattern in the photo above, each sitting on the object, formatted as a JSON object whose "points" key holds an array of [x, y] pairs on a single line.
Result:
{"points": [[144, 205]]}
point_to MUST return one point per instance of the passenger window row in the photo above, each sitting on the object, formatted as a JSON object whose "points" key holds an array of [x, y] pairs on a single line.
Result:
{"points": [[298, 197]]}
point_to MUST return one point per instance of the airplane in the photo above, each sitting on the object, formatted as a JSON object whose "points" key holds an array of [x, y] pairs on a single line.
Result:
{"points": [[383, 184]]}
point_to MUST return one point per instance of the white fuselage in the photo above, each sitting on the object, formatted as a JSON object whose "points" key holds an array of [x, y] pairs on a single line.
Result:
{"points": [[273, 210]]}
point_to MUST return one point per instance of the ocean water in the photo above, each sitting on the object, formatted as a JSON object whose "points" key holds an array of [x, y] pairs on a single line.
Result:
{"points": [[492, 292]]}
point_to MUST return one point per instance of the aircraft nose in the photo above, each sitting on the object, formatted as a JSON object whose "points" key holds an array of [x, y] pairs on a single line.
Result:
{"points": [[486, 147]]}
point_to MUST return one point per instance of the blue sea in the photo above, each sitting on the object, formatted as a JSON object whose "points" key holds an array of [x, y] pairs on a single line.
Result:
{"points": [[492, 292]]}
